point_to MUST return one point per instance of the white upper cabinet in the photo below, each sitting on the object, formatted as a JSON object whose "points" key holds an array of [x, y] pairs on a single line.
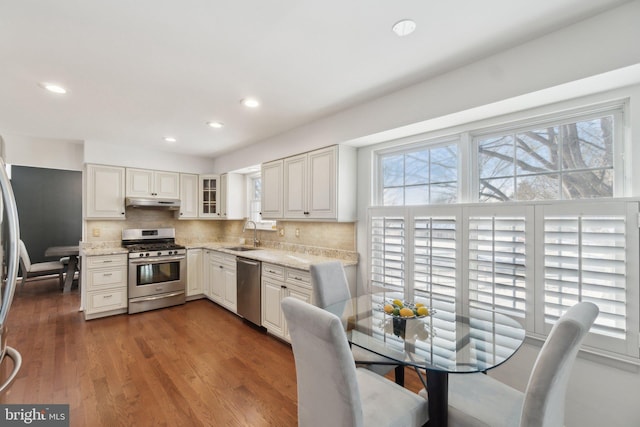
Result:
{"points": [[232, 196], [272, 185], [295, 187], [320, 184], [104, 192], [188, 196], [150, 183]]}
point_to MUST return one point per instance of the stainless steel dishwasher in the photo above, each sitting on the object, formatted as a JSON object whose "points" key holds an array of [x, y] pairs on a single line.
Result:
{"points": [[248, 281]]}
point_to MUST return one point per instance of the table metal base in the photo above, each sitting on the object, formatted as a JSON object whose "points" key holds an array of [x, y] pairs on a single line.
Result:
{"points": [[438, 392]]}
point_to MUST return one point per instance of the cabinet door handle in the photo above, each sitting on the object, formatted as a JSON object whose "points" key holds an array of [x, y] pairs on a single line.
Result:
{"points": [[107, 274], [107, 296]]}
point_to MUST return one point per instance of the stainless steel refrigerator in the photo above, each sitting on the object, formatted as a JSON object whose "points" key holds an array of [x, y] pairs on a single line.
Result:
{"points": [[9, 237]]}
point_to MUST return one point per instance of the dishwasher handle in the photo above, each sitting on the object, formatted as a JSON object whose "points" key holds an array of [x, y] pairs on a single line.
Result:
{"points": [[248, 261]]}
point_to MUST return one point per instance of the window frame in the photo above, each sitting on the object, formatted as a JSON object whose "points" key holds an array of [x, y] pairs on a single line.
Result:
{"points": [[616, 109], [422, 144], [262, 224], [466, 137]]}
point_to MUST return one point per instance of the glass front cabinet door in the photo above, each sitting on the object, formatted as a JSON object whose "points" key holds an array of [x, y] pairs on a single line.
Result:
{"points": [[209, 196]]}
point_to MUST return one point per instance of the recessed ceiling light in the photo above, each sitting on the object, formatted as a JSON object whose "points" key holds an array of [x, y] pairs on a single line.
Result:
{"points": [[52, 87], [404, 27], [216, 125], [169, 139], [250, 102]]}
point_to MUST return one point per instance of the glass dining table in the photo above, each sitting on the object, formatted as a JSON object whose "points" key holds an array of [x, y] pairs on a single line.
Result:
{"points": [[446, 341]]}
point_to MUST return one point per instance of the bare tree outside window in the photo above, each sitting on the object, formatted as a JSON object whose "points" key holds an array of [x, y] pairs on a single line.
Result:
{"points": [[563, 162]]}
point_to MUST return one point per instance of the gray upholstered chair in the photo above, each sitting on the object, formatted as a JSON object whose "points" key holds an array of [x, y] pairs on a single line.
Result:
{"points": [[330, 286], [39, 268], [332, 391], [479, 400]]}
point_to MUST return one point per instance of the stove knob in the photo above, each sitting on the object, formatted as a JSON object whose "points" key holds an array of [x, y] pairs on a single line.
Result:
{"points": [[159, 253], [141, 255], [147, 254]]}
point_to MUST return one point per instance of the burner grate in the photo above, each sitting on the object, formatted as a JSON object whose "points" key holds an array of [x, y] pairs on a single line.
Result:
{"points": [[142, 247]]}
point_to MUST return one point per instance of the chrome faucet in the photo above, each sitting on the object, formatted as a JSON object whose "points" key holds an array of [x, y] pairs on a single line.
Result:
{"points": [[255, 232]]}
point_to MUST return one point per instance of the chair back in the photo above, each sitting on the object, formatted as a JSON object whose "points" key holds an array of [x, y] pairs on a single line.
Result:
{"points": [[329, 283], [24, 258], [328, 393], [544, 398]]}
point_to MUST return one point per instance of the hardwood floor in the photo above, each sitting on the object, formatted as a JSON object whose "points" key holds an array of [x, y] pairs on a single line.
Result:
{"points": [[191, 365]]}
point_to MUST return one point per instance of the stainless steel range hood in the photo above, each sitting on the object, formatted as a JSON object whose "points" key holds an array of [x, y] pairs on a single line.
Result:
{"points": [[153, 203]]}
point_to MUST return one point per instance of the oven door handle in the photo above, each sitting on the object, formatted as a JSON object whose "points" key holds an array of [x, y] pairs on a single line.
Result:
{"points": [[156, 259], [156, 297]]}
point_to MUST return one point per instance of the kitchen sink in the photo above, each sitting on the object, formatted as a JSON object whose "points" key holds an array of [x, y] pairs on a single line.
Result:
{"points": [[241, 248]]}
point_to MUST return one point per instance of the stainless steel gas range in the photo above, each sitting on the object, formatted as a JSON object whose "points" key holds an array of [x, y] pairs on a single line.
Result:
{"points": [[157, 269]]}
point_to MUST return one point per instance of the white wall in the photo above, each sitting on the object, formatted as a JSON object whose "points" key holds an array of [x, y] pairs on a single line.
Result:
{"points": [[118, 155], [43, 152], [72, 154]]}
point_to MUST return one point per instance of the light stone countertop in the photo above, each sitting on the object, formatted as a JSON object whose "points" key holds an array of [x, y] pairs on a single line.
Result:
{"points": [[297, 260], [105, 250], [285, 258]]}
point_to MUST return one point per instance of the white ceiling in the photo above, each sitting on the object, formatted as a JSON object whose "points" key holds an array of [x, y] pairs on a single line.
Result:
{"points": [[139, 70]]}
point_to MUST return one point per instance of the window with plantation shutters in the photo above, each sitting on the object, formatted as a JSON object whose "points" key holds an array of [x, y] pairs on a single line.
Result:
{"points": [[497, 263], [524, 217], [531, 261]]}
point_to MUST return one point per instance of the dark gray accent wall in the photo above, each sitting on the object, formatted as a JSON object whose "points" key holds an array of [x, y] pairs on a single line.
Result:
{"points": [[49, 208]]}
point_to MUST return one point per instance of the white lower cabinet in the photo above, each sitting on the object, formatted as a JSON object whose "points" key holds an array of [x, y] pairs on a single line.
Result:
{"points": [[272, 317], [220, 279], [195, 282], [279, 282], [104, 285]]}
